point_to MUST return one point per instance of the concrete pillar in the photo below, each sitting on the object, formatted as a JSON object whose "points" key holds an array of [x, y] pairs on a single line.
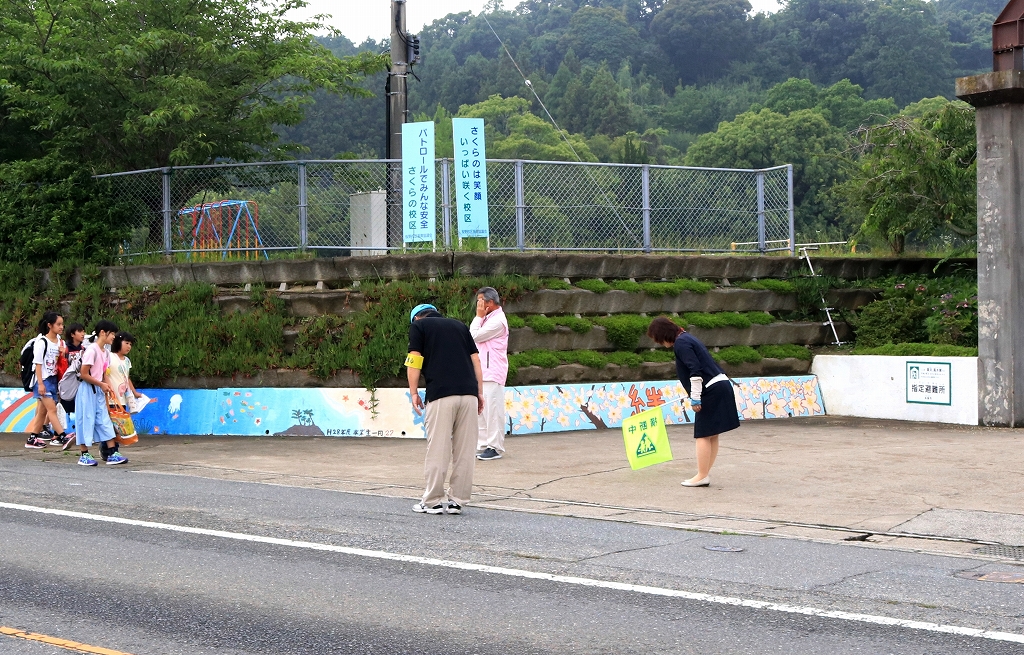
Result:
{"points": [[999, 101]]}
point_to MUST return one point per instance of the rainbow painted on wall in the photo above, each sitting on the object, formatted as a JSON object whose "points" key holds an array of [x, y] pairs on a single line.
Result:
{"points": [[388, 413]]}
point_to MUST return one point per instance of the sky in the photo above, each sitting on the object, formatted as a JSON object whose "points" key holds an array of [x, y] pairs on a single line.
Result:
{"points": [[359, 19]]}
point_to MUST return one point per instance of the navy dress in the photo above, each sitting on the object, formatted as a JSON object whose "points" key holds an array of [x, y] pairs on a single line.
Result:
{"points": [[718, 412]]}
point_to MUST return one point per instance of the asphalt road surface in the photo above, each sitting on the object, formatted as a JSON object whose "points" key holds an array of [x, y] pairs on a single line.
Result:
{"points": [[285, 571]]}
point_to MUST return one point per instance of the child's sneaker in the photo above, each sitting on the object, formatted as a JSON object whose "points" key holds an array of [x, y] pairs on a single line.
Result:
{"points": [[117, 458], [86, 460], [35, 442]]}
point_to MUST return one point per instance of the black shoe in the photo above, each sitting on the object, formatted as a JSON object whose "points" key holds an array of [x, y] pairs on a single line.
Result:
{"points": [[453, 508], [488, 454]]}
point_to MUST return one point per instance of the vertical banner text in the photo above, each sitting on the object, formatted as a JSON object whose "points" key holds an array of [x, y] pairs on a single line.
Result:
{"points": [[419, 185], [470, 177]]}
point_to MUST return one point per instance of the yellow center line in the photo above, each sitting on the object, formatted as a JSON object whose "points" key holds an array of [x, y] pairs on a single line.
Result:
{"points": [[59, 643]]}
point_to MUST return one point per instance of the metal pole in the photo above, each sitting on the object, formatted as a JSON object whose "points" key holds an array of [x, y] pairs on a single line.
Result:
{"points": [[792, 222], [760, 213], [303, 222], [520, 207], [398, 110], [446, 202], [166, 189], [645, 184]]}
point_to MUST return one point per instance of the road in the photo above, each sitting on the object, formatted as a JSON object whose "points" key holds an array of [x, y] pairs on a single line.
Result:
{"points": [[214, 566]]}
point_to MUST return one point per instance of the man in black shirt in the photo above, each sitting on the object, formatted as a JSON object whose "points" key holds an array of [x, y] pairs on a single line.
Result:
{"points": [[446, 353]]}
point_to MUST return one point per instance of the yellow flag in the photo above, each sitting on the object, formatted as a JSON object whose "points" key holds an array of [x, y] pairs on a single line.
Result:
{"points": [[646, 439]]}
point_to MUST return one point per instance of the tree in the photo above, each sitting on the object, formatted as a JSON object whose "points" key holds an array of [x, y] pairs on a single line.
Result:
{"points": [[129, 84], [514, 133], [702, 37], [766, 138], [918, 175], [601, 34]]}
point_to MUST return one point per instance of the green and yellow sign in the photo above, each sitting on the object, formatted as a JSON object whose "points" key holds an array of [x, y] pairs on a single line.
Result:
{"points": [[646, 439]]}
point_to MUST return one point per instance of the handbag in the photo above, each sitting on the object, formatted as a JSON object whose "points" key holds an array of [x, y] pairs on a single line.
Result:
{"points": [[124, 427]]}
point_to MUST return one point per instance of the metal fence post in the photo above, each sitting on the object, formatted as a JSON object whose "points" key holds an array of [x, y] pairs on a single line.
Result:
{"points": [[792, 221], [761, 238], [166, 202], [446, 202], [520, 207], [303, 217], [645, 188]]}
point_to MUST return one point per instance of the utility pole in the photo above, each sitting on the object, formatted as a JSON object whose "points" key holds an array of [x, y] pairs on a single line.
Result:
{"points": [[398, 109]]}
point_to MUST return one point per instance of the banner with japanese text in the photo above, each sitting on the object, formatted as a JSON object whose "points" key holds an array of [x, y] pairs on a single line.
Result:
{"points": [[418, 182], [470, 177]]}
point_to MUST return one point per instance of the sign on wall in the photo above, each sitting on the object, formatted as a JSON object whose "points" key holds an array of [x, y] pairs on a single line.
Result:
{"points": [[418, 176], [470, 177], [929, 383]]}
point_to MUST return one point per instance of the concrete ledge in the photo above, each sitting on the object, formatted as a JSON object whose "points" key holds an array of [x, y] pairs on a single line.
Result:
{"points": [[542, 264], [301, 304], [806, 334], [991, 88]]}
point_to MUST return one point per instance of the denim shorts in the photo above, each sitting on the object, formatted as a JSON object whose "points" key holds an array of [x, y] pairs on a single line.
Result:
{"points": [[50, 384]]}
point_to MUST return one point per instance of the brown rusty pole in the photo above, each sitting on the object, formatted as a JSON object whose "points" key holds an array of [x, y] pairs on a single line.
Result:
{"points": [[1008, 38]]}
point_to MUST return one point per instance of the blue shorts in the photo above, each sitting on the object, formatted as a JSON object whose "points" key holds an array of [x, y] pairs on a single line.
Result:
{"points": [[50, 384]]}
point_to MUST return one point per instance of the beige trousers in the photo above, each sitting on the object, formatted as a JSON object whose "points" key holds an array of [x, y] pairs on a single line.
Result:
{"points": [[451, 437], [492, 421]]}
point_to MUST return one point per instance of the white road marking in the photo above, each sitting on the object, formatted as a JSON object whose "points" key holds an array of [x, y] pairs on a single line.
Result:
{"points": [[533, 575]]}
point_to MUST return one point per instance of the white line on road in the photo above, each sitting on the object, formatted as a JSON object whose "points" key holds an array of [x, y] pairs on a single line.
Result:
{"points": [[533, 575]]}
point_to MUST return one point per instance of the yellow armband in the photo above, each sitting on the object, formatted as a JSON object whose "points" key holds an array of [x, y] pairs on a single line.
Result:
{"points": [[414, 361]]}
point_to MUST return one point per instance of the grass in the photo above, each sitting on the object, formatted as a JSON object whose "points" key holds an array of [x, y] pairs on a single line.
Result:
{"points": [[784, 351], [710, 321], [655, 289], [577, 325], [918, 350]]}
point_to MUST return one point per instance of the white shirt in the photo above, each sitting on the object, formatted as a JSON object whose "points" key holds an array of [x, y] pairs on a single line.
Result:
{"points": [[46, 352]]}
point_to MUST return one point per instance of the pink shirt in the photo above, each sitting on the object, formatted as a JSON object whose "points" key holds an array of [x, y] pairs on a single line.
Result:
{"points": [[98, 358]]}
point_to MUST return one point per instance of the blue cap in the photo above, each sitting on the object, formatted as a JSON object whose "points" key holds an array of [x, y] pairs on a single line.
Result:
{"points": [[420, 308]]}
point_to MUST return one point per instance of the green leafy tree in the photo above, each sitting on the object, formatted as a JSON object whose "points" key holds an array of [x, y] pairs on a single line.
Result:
{"points": [[766, 138], [129, 84], [601, 35], [918, 176], [702, 37], [515, 133]]}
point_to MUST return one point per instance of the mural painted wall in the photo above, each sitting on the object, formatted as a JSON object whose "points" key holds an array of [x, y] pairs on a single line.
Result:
{"points": [[351, 412]]}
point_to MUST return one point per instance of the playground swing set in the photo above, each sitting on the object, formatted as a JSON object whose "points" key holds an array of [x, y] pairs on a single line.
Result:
{"points": [[202, 230]]}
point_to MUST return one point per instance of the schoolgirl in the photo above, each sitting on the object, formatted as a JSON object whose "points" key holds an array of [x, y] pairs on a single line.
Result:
{"points": [[91, 413], [47, 350]]}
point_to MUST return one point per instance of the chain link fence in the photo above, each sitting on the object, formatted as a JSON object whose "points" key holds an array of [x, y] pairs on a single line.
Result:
{"points": [[353, 207]]}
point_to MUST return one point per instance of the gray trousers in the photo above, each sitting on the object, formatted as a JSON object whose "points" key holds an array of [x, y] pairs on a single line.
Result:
{"points": [[451, 440]]}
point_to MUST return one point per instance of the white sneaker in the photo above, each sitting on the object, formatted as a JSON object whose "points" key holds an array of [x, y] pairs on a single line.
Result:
{"points": [[420, 508]]}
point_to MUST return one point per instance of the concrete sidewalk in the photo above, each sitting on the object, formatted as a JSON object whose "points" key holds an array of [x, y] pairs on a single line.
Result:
{"points": [[883, 482]]}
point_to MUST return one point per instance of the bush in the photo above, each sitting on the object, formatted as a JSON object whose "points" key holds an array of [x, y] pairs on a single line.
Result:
{"points": [[780, 287], [737, 355], [676, 287], [577, 325], [760, 318], [624, 330], [658, 356], [785, 350], [585, 357], [542, 358], [555, 284], [514, 321], [918, 350], [597, 286], [892, 320], [621, 358], [540, 324], [629, 286], [716, 320]]}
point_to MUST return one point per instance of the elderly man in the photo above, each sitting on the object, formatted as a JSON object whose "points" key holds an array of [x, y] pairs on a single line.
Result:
{"points": [[443, 350], [490, 332]]}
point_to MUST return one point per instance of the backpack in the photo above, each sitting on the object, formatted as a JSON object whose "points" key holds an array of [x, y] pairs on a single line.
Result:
{"points": [[28, 371], [67, 388]]}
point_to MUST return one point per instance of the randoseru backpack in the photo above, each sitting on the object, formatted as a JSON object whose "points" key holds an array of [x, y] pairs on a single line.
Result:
{"points": [[28, 371]]}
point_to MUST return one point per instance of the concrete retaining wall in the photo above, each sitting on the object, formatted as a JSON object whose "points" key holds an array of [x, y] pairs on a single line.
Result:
{"points": [[876, 387], [342, 270], [807, 334]]}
